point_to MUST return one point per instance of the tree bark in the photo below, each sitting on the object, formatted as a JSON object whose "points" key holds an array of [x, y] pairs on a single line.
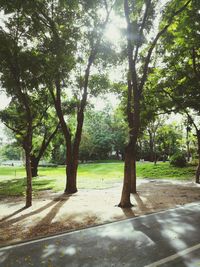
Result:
{"points": [[28, 179], [34, 165], [188, 143], [133, 171], [129, 184], [71, 173], [126, 191], [198, 167], [151, 147]]}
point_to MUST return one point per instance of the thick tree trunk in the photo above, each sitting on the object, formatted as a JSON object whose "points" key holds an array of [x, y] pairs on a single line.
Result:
{"points": [[34, 166], [129, 184], [29, 179], [198, 168], [71, 174], [133, 171]]}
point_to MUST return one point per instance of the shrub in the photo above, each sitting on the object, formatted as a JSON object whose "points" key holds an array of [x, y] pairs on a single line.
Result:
{"points": [[178, 160]]}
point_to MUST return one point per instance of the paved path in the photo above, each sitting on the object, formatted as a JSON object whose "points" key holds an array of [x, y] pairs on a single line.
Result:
{"points": [[169, 238]]}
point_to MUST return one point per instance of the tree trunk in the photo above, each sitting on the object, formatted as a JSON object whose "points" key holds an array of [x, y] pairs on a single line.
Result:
{"points": [[129, 184], [188, 151], [29, 179], [117, 154], [151, 147], [155, 155], [133, 171], [71, 174], [34, 166], [198, 168]]}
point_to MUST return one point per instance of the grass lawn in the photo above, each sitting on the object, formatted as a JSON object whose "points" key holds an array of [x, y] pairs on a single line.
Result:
{"points": [[91, 176]]}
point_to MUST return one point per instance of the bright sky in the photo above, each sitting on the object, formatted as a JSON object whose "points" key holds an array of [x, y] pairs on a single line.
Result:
{"points": [[4, 100]]}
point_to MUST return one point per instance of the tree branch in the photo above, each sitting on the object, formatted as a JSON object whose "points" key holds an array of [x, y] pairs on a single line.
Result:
{"points": [[149, 54], [13, 129], [182, 108], [141, 30]]}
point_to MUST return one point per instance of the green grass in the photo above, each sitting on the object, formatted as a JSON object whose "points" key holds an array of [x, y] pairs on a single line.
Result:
{"points": [[92, 175]]}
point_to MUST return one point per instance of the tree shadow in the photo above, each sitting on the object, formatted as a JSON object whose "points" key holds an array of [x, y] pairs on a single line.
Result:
{"points": [[43, 226], [154, 231], [140, 203], [128, 212], [12, 214], [135, 242], [5, 223]]}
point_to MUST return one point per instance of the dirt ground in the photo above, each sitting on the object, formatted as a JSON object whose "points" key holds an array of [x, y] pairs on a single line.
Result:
{"points": [[54, 213]]}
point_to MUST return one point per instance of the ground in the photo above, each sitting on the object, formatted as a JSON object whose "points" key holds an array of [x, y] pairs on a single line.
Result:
{"points": [[55, 212]]}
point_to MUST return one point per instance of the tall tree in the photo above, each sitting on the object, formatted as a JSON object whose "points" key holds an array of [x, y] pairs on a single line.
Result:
{"points": [[14, 79], [68, 57], [20, 78], [180, 86], [139, 18]]}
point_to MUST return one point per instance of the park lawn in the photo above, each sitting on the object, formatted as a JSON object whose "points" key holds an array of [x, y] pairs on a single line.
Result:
{"points": [[90, 176]]}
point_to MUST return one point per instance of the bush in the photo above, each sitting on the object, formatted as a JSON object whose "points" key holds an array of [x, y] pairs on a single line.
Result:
{"points": [[178, 160]]}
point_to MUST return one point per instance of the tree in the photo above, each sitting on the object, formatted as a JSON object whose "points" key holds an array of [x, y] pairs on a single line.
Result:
{"points": [[66, 57], [20, 78], [139, 17], [14, 79], [180, 85]]}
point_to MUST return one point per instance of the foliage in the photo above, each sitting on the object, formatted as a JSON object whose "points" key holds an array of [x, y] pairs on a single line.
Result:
{"points": [[163, 140], [104, 133], [178, 160], [10, 152]]}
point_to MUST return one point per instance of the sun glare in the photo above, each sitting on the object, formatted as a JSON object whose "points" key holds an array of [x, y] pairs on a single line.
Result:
{"points": [[113, 32]]}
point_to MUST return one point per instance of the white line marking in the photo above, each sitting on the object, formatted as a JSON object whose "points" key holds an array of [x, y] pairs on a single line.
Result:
{"points": [[174, 257]]}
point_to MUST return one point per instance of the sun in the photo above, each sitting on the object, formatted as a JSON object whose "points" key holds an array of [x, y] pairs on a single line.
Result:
{"points": [[113, 31]]}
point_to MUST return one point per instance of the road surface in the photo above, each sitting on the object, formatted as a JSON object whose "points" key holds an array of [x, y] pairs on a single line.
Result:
{"points": [[168, 238]]}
